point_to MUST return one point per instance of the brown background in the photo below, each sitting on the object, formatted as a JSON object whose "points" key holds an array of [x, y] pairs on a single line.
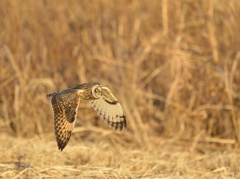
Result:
{"points": [[173, 65]]}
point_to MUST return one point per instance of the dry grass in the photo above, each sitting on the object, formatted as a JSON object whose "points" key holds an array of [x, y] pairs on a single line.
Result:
{"points": [[106, 158], [174, 66]]}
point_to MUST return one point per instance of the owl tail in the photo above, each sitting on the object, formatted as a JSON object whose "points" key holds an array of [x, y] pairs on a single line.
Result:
{"points": [[50, 95]]}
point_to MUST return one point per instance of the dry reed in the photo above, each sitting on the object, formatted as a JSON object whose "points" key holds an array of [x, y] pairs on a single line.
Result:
{"points": [[174, 66]]}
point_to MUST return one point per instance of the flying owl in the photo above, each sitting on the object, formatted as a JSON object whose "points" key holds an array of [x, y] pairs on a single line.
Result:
{"points": [[65, 104]]}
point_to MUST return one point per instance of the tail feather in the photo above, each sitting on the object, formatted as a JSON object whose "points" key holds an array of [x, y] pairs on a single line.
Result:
{"points": [[50, 95]]}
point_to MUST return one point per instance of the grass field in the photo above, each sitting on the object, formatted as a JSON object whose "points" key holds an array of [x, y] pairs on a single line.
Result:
{"points": [[173, 65], [110, 157]]}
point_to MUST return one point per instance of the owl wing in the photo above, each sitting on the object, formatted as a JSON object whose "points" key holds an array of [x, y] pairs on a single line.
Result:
{"points": [[110, 110], [65, 105]]}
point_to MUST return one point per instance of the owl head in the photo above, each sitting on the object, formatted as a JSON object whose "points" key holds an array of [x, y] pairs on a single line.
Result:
{"points": [[89, 91], [97, 91]]}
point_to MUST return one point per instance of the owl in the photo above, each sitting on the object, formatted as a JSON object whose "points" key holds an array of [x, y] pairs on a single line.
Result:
{"points": [[65, 104]]}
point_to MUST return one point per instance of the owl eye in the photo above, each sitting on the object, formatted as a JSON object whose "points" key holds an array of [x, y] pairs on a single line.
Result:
{"points": [[96, 90]]}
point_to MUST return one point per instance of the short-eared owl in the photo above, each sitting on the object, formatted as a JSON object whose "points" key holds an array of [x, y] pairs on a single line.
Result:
{"points": [[65, 105]]}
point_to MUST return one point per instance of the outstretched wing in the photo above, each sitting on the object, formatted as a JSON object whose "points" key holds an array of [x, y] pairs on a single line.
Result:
{"points": [[65, 105], [110, 110]]}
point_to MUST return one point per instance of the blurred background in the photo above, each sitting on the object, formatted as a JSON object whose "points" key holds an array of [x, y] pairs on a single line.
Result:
{"points": [[173, 65]]}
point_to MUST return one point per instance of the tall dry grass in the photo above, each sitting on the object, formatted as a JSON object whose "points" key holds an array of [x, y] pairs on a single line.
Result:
{"points": [[173, 65]]}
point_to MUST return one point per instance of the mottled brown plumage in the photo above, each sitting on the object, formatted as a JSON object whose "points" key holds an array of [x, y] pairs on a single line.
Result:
{"points": [[65, 104]]}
